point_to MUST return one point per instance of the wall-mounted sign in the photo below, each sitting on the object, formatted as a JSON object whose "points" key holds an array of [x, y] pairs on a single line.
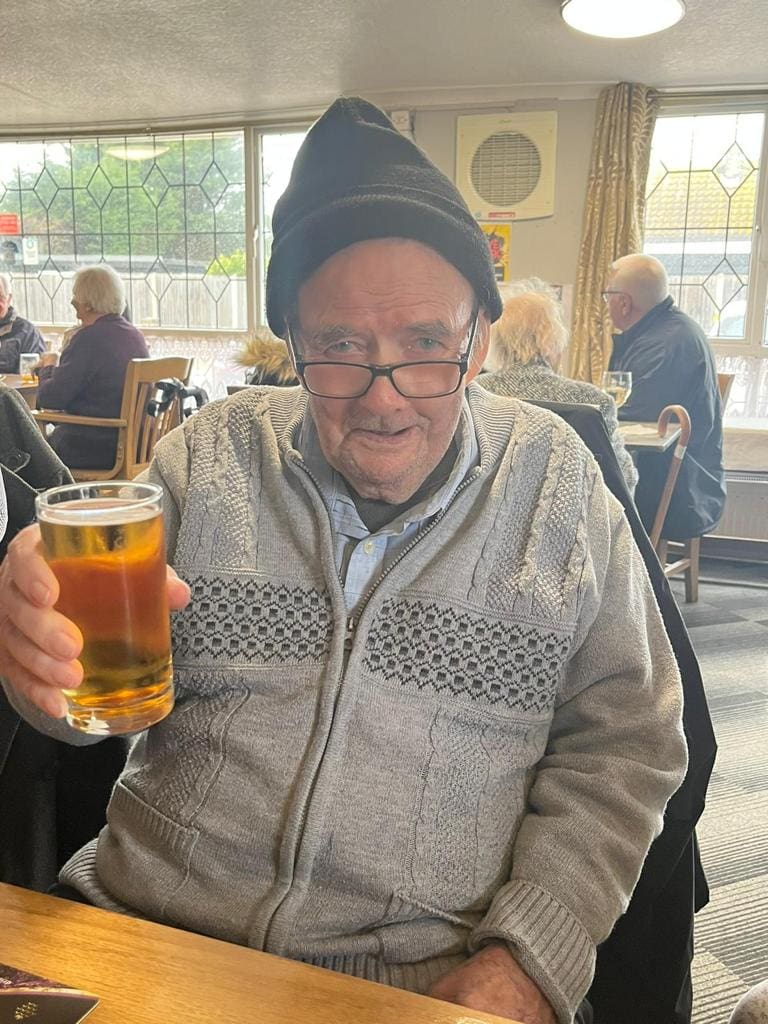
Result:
{"points": [[30, 253], [499, 241], [9, 223]]}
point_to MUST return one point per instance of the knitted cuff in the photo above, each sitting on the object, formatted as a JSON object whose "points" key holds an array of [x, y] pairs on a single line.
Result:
{"points": [[547, 941]]}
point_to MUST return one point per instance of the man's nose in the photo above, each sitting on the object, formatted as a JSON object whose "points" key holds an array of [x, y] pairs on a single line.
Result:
{"points": [[382, 396]]}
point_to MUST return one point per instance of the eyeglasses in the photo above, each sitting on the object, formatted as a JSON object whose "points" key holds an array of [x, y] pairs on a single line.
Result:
{"points": [[611, 291], [428, 378]]}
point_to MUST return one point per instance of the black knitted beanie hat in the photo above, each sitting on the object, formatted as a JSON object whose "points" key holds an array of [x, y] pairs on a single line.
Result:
{"points": [[356, 177]]}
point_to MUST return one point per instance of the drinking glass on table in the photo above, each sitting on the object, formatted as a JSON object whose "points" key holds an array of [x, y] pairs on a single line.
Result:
{"points": [[27, 362], [617, 384], [104, 542]]}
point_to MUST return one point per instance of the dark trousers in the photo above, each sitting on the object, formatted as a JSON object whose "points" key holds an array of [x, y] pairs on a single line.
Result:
{"points": [[66, 892]]}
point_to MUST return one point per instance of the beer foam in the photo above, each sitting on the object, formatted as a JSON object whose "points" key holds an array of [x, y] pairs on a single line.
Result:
{"points": [[98, 512]]}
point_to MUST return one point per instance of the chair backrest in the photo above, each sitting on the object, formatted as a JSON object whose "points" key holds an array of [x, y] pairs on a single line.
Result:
{"points": [[674, 467], [144, 431], [724, 385]]}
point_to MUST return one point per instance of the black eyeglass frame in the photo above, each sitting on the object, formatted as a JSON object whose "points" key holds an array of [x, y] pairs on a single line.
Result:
{"points": [[382, 370]]}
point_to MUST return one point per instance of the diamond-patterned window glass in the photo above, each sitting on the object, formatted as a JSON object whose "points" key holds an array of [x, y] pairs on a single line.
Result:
{"points": [[700, 213], [166, 211]]}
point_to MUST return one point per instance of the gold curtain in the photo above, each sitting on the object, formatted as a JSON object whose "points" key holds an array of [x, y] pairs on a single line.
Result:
{"points": [[613, 215]]}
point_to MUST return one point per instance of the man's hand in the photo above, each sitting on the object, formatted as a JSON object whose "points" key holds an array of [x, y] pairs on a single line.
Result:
{"points": [[38, 646], [492, 981], [47, 359]]}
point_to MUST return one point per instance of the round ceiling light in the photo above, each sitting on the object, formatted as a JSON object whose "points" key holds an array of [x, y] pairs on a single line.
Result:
{"points": [[622, 19]]}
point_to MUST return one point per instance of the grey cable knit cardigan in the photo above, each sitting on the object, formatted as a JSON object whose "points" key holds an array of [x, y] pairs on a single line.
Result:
{"points": [[485, 753]]}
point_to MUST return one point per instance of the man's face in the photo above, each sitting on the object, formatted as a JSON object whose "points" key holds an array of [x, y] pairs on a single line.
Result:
{"points": [[5, 302], [387, 301], [619, 304]]}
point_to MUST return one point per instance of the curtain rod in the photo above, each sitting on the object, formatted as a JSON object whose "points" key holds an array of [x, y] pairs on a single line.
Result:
{"points": [[755, 93], [277, 121]]}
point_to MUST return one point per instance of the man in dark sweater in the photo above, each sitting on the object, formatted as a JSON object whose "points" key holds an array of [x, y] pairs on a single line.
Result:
{"points": [[16, 334], [671, 363]]}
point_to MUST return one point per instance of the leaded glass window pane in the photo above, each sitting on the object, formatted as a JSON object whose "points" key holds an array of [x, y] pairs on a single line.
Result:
{"points": [[700, 213], [166, 211]]}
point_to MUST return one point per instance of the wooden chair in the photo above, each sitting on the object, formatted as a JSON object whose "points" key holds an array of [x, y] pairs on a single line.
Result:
{"points": [[689, 550], [138, 432], [724, 385]]}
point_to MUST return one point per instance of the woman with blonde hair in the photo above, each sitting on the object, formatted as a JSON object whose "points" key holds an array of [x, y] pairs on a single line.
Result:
{"points": [[527, 347]]}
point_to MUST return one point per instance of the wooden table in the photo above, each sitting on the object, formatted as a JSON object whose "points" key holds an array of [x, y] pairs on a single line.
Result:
{"points": [[645, 436], [146, 973], [27, 390]]}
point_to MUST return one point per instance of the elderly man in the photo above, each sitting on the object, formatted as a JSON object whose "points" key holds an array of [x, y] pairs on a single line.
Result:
{"points": [[17, 335], [427, 717], [671, 363]]}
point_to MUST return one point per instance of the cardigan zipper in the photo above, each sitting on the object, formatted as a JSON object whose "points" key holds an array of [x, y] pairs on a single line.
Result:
{"points": [[352, 621]]}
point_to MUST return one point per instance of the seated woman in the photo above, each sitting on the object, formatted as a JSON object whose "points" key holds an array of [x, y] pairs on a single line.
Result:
{"points": [[89, 378], [527, 345]]}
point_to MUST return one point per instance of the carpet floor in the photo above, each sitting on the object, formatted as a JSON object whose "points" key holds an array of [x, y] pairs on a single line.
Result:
{"points": [[729, 631]]}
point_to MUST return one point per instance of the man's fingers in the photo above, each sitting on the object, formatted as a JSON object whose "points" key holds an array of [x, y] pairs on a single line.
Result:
{"points": [[29, 570], [48, 629], [38, 664], [178, 592], [47, 698]]}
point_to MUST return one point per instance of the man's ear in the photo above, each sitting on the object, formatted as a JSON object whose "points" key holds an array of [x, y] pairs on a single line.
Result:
{"points": [[480, 346]]}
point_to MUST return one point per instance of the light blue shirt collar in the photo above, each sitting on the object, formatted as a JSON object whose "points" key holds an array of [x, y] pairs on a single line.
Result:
{"points": [[333, 487]]}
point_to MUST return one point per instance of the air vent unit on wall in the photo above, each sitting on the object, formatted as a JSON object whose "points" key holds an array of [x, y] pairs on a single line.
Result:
{"points": [[505, 164]]}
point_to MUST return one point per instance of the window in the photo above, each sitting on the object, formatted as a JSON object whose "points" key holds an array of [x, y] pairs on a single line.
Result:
{"points": [[278, 151], [701, 213], [170, 212]]}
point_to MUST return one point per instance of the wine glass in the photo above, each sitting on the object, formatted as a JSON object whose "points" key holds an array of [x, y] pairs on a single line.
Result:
{"points": [[617, 384]]}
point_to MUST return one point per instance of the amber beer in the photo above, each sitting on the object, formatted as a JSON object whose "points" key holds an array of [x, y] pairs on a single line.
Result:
{"points": [[105, 544]]}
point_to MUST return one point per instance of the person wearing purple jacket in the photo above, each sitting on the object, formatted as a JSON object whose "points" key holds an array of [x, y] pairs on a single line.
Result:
{"points": [[89, 378]]}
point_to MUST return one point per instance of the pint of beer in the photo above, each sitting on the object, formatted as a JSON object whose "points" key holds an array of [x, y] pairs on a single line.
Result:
{"points": [[105, 545]]}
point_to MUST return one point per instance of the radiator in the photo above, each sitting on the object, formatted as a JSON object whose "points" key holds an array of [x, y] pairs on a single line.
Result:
{"points": [[746, 507]]}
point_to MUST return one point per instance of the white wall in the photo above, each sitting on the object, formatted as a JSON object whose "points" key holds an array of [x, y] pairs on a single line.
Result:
{"points": [[548, 247]]}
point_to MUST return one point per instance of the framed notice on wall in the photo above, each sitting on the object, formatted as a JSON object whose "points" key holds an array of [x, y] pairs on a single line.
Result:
{"points": [[499, 241]]}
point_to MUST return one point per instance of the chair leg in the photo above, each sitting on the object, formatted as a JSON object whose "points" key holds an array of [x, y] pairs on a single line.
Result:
{"points": [[692, 547], [661, 552]]}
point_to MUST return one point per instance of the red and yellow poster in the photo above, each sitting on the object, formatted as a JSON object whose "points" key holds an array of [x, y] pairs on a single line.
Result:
{"points": [[499, 241]]}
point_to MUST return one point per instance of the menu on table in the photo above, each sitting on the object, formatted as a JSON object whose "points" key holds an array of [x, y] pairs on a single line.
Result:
{"points": [[28, 997]]}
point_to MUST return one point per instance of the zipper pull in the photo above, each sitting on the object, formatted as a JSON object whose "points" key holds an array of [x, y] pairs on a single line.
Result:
{"points": [[349, 634]]}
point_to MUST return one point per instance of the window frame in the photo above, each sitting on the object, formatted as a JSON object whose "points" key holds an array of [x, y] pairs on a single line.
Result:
{"points": [[255, 261], [757, 292]]}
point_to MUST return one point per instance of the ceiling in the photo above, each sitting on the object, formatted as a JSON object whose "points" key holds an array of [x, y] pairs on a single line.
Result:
{"points": [[88, 62]]}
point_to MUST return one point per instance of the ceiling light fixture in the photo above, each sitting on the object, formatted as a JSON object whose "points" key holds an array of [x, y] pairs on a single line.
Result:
{"points": [[622, 19], [129, 151]]}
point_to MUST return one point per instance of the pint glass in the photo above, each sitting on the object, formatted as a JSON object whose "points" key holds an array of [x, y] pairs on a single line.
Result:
{"points": [[27, 361], [105, 545]]}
